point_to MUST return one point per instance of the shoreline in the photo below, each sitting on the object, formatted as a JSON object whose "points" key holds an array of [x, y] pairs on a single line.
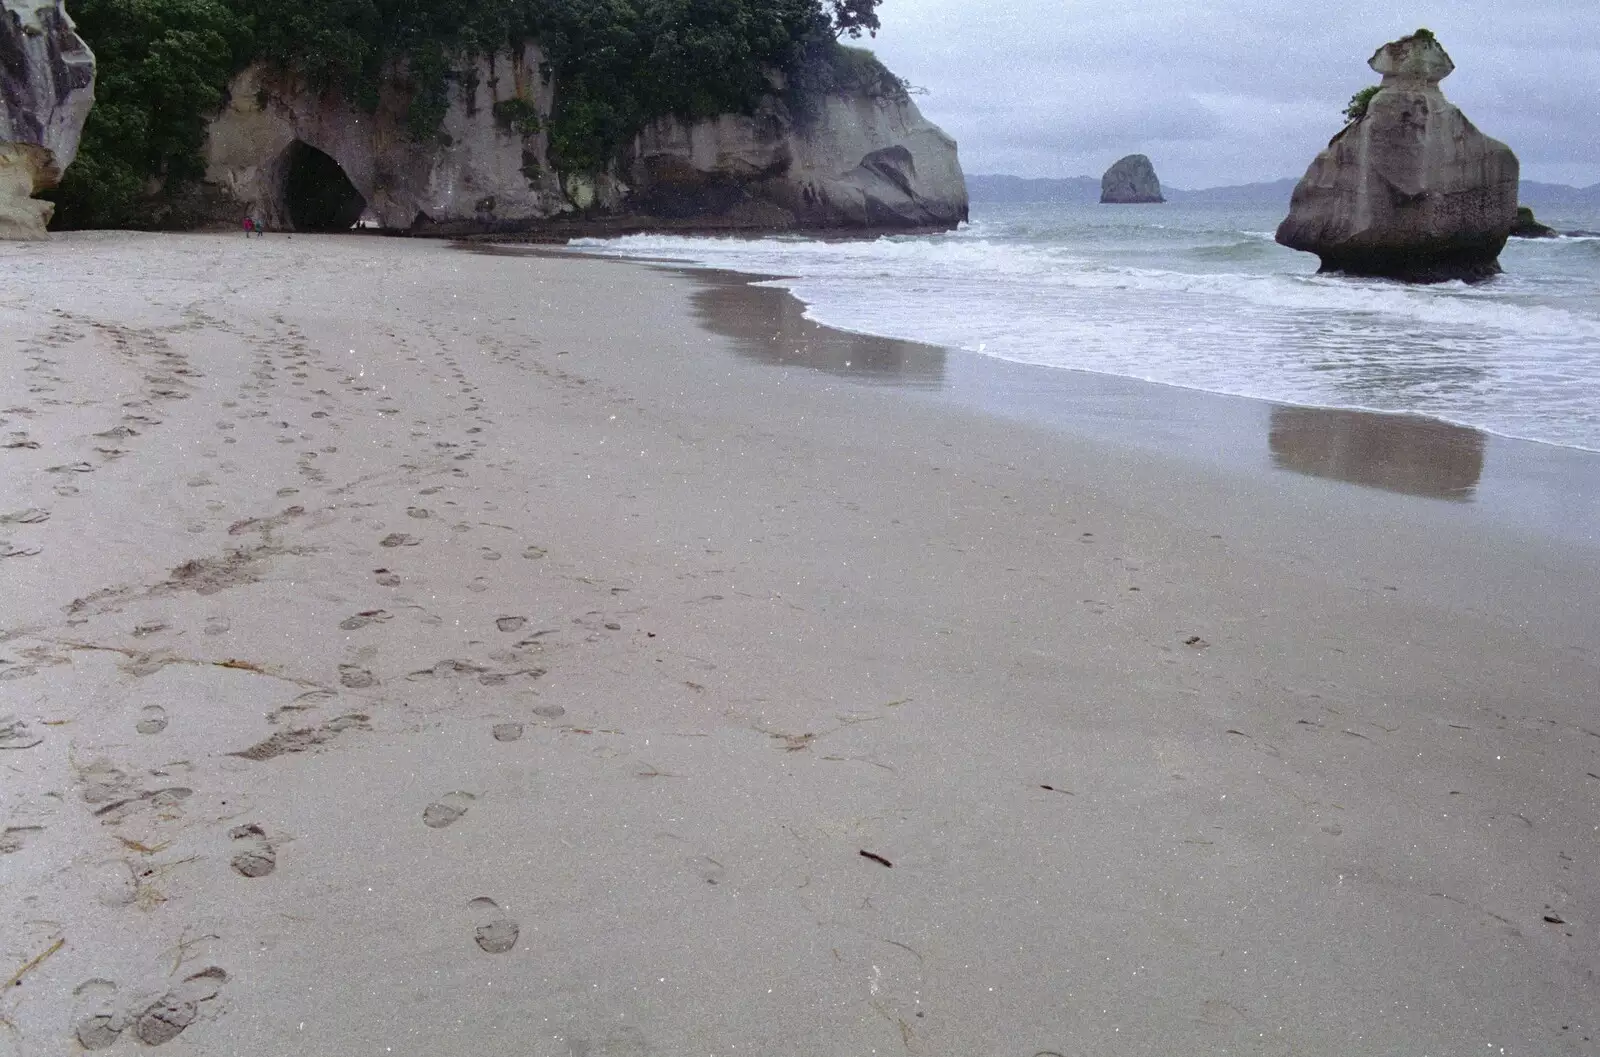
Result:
{"points": [[1232, 386], [1547, 487], [444, 654]]}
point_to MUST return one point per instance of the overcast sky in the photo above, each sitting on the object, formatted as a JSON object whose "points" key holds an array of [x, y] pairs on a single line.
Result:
{"points": [[1232, 91]]}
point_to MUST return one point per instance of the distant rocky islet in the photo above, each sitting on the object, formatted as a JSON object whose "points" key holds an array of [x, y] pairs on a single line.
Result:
{"points": [[1131, 181]]}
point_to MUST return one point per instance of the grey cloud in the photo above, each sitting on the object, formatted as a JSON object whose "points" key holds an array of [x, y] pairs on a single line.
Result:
{"points": [[1222, 91], [1032, 125]]}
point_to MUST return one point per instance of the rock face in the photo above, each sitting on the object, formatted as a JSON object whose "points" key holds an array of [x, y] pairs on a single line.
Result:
{"points": [[858, 161], [46, 89], [295, 159], [1411, 190], [298, 160], [1131, 181]]}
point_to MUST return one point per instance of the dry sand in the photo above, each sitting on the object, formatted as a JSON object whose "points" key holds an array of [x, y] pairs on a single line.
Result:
{"points": [[408, 651]]}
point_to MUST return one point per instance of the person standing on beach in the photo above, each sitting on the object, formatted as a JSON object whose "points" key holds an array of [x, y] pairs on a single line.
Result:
{"points": [[249, 227]]}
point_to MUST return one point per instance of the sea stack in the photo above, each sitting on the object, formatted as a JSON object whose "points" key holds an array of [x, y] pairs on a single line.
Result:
{"points": [[1131, 181], [1409, 190], [46, 90]]}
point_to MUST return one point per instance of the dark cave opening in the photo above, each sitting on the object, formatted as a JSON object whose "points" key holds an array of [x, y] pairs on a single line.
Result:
{"points": [[317, 193]]}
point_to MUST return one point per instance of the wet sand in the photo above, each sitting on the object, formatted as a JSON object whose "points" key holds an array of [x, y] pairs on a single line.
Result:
{"points": [[412, 651]]}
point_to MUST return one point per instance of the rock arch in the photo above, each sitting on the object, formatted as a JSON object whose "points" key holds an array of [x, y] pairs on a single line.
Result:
{"points": [[313, 191]]}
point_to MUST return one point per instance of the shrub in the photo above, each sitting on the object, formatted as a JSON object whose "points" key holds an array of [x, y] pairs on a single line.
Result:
{"points": [[830, 68], [518, 115], [1356, 109]]}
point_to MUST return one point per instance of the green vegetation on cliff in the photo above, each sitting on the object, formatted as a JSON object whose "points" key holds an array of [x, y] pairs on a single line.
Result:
{"points": [[164, 66], [1356, 109]]}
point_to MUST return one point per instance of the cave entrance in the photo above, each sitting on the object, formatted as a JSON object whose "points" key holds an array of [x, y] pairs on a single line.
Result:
{"points": [[316, 193]]}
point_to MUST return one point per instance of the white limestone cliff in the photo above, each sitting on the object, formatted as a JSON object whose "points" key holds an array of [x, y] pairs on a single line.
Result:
{"points": [[858, 161], [46, 90], [854, 160], [483, 167]]}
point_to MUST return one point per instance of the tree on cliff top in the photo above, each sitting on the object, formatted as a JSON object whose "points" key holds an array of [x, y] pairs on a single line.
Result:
{"points": [[853, 17]]}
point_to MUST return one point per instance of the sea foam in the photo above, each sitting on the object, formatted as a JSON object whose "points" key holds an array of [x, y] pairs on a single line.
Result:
{"points": [[1204, 299]]}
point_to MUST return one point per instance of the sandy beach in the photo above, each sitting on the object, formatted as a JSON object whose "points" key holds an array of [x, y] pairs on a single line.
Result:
{"points": [[407, 650]]}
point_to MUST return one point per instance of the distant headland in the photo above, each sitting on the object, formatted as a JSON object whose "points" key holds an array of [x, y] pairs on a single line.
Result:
{"points": [[996, 187]]}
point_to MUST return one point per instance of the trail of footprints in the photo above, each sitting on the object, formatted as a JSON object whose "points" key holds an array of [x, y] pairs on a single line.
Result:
{"points": [[165, 373], [104, 1010]]}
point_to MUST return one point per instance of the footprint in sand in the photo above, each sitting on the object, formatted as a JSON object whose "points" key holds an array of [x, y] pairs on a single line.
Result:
{"points": [[421, 513], [101, 780], [510, 623], [507, 731], [399, 539], [495, 933], [446, 809], [549, 711], [355, 678], [387, 578], [152, 720], [363, 618], [534, 552], [217, 626], [254, 855], [166, 1018], [114, 883], [96, 1020], [15, 838]]}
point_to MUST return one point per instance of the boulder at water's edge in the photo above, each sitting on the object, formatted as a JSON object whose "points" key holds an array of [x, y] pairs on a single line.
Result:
{"points": [[1410, 190], [1528, 226], [1130, 181], [46, 90]]}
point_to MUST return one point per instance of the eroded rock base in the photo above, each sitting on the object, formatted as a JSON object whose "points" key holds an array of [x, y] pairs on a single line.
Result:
{"points": [[1418, 266]]}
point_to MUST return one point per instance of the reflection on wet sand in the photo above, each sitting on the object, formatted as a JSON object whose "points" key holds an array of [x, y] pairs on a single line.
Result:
{"points": [[1400, 453], [769, 325]]}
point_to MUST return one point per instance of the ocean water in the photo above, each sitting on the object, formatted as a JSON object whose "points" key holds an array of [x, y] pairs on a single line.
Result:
{"points": [[1201, 297]]}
